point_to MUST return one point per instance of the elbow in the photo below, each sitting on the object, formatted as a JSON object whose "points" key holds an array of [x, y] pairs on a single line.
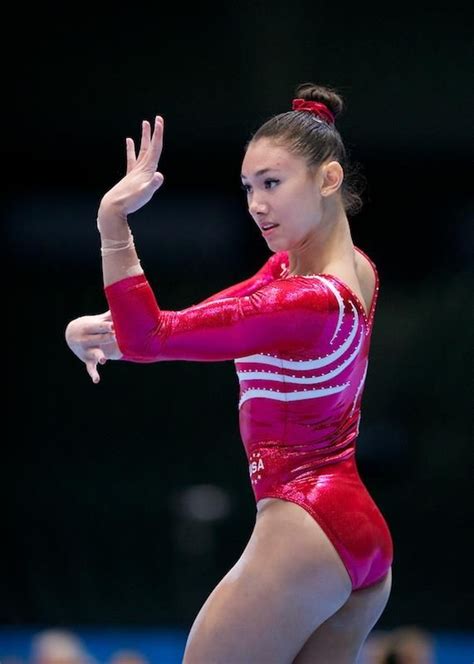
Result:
{"points": [[139, 349]]}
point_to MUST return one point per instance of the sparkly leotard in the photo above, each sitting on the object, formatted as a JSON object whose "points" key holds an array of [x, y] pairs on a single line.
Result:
{"points": [[300, 346]]}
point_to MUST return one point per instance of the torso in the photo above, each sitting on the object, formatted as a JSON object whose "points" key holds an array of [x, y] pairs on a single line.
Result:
{"points": [[361, 279], [358, 275]]}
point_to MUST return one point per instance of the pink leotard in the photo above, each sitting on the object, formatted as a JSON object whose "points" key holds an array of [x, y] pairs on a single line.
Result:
{"points": [[300, 346]]}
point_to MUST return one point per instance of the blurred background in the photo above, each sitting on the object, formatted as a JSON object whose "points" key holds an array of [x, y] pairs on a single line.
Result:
{"points": [[126, 502]]}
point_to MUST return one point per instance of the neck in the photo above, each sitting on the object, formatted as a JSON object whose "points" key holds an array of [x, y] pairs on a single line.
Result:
{"points": [[330, 243]]}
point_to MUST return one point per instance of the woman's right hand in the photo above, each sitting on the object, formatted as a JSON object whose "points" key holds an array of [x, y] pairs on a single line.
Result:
{"points": [[92, 339], [141, 181]]}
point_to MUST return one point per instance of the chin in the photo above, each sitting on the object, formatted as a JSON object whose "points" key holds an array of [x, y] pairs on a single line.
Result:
{"points": [[277, 244]]}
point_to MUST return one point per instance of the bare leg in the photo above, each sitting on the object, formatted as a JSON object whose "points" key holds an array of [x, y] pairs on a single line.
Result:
{"points": [[288, 581], [339, 640]]}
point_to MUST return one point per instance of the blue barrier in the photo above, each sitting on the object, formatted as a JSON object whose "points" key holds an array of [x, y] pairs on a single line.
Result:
{"points": [[166, 646]]}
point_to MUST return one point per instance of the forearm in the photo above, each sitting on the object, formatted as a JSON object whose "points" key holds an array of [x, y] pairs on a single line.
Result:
{"points": [[275, 318], [119, 256]]}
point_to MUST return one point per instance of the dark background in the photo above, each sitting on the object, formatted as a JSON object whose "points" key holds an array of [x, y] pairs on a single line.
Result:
{"points": [[126, 502]]}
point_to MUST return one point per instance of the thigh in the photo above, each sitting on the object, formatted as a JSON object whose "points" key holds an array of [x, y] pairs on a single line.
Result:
{"points": [[340, 638], [288, 581]]}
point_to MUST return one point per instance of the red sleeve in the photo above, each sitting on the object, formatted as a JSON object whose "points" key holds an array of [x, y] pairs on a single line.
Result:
{"points": [[285, 315], [275, 267]]}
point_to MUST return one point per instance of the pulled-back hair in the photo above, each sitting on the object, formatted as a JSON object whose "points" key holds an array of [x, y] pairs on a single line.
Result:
{"points": [[316, 140]]}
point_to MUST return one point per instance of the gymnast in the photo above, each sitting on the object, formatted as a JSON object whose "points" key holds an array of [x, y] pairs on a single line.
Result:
{"points": [[315, 575]]}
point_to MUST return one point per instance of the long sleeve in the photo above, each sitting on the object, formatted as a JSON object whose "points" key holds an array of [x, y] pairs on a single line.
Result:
{"points": [[285, 315], [275, 267]]}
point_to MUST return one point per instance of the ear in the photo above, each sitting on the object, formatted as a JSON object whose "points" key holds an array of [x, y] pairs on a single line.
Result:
{"points": [[332, 177]]}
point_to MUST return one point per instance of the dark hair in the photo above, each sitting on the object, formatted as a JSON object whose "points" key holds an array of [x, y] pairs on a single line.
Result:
{"points": [[315, 140]]}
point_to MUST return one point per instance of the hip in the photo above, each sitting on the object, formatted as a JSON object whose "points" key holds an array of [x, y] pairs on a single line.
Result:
{"points": [[335, 496]]}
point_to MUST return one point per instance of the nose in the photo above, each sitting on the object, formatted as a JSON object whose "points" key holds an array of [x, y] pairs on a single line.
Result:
{"points": [[257, 206]]}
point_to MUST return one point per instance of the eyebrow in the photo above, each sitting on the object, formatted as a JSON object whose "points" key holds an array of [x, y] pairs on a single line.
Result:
{"points": [[258, 173]]}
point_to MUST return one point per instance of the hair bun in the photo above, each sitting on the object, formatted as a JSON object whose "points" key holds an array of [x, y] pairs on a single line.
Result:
{"points": [[318, 109], [323, 95]]}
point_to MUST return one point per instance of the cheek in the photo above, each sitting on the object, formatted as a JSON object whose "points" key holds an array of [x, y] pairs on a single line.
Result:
{"points": [[311, 205], [302, 207]]}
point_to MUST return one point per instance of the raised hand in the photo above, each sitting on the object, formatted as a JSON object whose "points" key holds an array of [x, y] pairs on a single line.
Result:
{"points": [[142, 179]]}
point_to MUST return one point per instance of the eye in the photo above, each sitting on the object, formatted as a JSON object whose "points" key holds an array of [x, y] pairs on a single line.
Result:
{"points": [[269, 182]]}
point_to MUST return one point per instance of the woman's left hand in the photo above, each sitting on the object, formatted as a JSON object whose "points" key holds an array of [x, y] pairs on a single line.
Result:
{"points": [[142, 178], [92, 339]]}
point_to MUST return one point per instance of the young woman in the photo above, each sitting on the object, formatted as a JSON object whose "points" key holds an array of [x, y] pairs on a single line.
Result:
{"points": [[316, 573]]}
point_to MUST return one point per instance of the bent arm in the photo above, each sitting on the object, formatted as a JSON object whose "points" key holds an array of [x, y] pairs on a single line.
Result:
{"points": [[91, 337], [276, 318], [225, 326]]}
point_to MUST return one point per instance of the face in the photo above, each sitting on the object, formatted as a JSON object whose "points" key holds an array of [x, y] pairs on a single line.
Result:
{"points": [[281, 190]]}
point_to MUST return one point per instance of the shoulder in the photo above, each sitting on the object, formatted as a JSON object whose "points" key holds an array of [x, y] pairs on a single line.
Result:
{"points": [[296, 293]]}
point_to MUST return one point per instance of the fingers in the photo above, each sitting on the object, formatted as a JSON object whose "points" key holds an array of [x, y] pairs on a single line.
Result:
{"points": [[99, 339], [150, 146], [98, 357], [131, 157], [97, 328], [156, 144], [145, 142], [106, 317], [91, 367], [97, 324]]}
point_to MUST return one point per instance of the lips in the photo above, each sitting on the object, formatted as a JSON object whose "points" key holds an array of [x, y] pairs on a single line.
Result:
{"points": [[267, 228]]}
